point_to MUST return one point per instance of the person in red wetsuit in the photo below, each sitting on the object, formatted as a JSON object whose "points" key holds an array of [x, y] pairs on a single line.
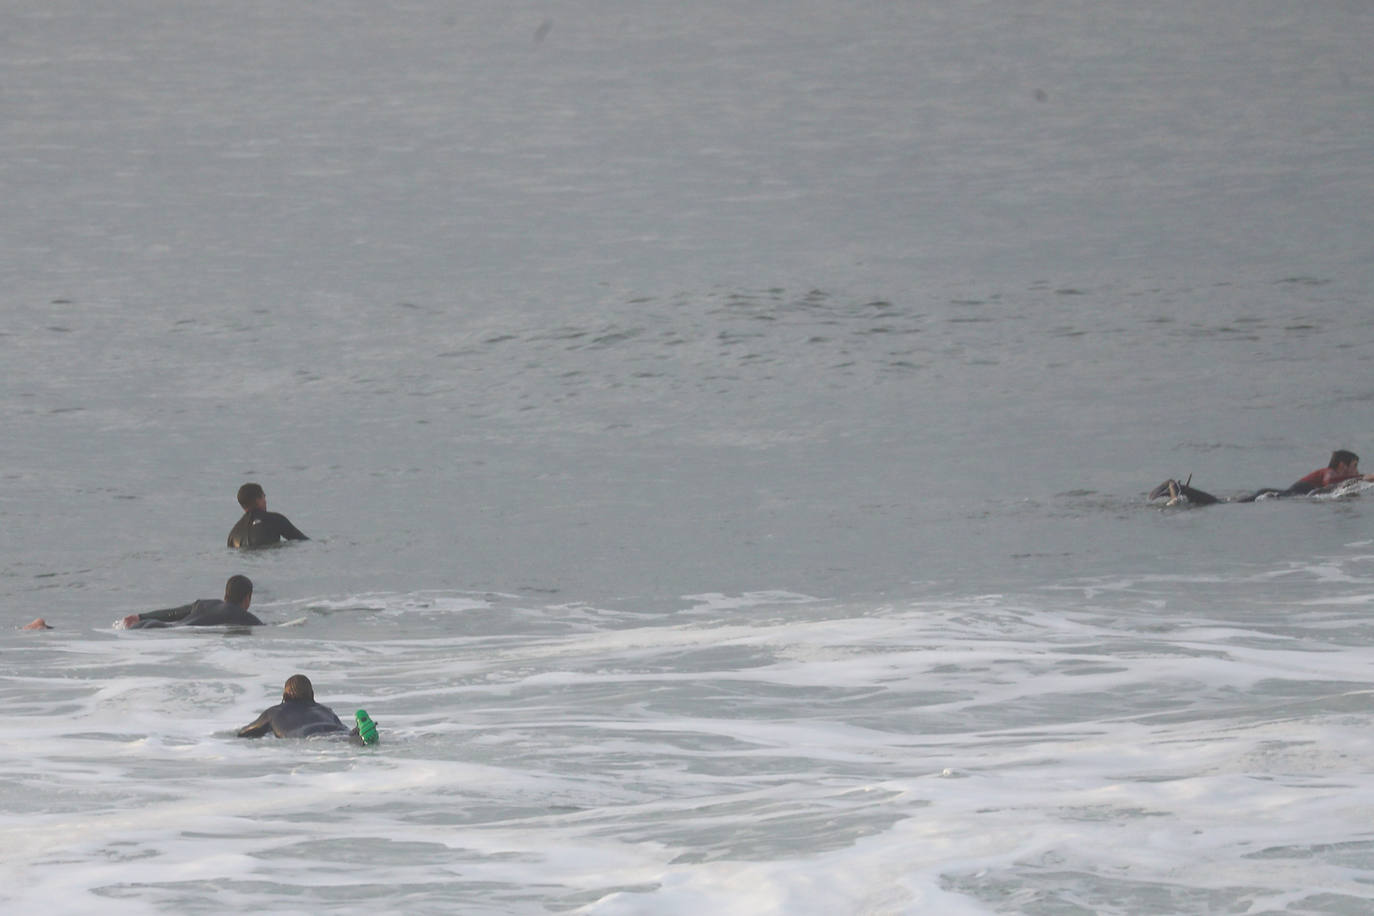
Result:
{"points": [[1344, 465]]}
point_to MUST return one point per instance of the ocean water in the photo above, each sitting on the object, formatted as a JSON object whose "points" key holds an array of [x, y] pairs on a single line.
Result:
{"points": [[724, 433]]}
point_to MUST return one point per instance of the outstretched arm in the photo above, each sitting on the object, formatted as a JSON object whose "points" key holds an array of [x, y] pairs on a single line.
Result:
{"points": [[259, 727], [152, 620], [168, 615]]}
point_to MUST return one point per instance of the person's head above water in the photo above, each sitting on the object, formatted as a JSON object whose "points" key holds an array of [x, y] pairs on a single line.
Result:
{"points": [[250, 494], [239, 590], [1341, 457], [298, 688]]}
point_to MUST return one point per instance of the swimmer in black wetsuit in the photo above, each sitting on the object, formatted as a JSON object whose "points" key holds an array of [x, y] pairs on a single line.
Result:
{"points": [[298, 716], [258, 527], [1344, 465], [206, 612]]}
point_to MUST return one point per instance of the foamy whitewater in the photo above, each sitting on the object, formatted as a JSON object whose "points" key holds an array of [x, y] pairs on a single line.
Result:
{"points": [[723, 433]]}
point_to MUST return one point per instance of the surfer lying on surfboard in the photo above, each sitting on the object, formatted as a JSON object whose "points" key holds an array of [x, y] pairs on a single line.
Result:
{"points": [[299, 716], [205, 612], [1344, 465]]}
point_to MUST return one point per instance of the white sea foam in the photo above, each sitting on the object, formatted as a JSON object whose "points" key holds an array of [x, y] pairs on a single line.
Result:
{"points": [[801, 756]]}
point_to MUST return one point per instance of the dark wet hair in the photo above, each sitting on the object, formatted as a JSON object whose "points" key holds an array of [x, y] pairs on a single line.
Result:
{"points": [[250, 493], [298, 687], [237, 589], [1341, 456]]}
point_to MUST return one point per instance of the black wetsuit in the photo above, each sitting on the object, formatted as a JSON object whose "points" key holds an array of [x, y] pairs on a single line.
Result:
{"points": [[1320, 480], [297, 719], [207, 612], [260, 528], [1202, 498]]}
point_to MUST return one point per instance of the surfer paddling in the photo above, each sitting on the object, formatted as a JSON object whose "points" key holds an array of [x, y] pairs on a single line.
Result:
{"points": [[205, 612], [1344, 465], [298, 715]]}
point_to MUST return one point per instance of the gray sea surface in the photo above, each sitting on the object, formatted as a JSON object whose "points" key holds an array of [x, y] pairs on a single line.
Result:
{"points": [[723, 432]]}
